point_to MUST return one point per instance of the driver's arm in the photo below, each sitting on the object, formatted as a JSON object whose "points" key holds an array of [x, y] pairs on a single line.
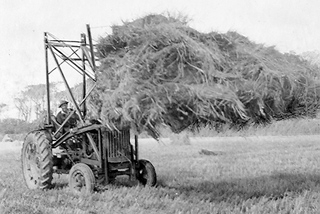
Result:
{"points": [[59, 118]]}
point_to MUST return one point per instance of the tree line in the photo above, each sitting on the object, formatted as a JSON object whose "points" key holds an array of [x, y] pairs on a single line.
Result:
{"points": [[31, 104]]}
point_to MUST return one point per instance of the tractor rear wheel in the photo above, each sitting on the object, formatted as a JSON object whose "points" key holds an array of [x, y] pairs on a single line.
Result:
{"points": [[146, 173], [37, 161], [81, 179]]}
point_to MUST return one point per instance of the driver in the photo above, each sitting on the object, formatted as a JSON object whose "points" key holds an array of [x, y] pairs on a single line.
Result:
{"points": [[64, 113]]}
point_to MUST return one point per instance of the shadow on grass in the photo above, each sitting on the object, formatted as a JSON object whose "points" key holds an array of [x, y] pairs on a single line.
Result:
{"points": [[59, 186], [119, 182], [273, 187], [61, 182]]}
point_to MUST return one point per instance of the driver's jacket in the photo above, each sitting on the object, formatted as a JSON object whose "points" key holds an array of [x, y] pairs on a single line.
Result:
{"points": [[72, 122]]}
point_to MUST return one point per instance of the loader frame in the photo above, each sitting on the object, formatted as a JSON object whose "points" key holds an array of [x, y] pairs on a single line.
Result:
{"points": [[112, 154]]}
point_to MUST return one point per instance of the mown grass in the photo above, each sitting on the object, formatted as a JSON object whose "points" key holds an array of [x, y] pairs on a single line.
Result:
{"points": [[245, 175]]}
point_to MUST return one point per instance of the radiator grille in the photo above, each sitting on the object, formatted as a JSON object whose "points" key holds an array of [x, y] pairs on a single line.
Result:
{"points": [[118, 143]]}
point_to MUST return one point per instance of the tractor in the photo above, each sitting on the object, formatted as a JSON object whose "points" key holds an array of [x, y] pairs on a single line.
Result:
{"points": [[90, 153]]}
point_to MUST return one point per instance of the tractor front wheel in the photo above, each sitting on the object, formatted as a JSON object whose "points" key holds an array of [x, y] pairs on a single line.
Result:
{"points": [[146, 173], [37, 163], [81, 179]]}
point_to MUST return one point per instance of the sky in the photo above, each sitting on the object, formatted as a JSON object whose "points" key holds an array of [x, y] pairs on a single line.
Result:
{"points": [[289, 25]]}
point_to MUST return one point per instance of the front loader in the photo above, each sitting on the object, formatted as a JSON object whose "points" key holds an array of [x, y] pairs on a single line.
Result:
{"points": [[91, 153]]}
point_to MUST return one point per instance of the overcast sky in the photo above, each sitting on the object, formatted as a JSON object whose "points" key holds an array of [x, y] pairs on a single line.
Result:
{"points": [[290, 25]]}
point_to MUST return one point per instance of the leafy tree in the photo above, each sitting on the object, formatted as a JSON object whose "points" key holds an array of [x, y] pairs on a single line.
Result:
{"points": [[37, 95], [23, 105], [33, 100]]}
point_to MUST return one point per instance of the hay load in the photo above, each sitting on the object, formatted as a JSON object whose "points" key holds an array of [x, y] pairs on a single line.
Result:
{"points": [[157, 70]]}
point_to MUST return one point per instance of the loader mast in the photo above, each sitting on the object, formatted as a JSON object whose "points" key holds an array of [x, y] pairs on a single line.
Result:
{"points": [[78, 55]]}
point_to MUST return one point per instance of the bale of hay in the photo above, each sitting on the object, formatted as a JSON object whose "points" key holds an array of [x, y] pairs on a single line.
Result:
{"points": [[157, 70]]}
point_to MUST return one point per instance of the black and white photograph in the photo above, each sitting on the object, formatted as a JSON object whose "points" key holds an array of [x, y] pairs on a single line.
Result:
{"points": [[159, 107]]}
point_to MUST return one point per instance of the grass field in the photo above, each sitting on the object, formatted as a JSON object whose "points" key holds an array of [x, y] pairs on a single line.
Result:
{"points": [[211, 175]]}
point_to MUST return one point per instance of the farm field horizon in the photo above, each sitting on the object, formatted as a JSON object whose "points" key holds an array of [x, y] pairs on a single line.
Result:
{"points": [[256, 174]]}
